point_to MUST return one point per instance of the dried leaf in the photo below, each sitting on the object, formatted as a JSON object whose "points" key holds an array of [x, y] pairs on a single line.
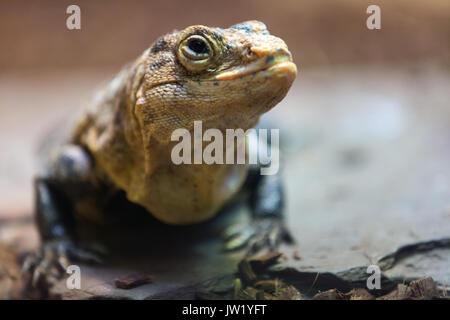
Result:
{"points": [[424, 288], [359, 294], [332, 294], [246, 271], [262, 262]]}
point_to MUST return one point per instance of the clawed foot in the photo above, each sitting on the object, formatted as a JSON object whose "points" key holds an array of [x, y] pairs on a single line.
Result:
{"points": [[54, 257], [261, 234]]}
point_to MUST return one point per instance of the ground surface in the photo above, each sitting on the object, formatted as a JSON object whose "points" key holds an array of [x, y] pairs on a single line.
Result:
{"points": [[366, 156]]}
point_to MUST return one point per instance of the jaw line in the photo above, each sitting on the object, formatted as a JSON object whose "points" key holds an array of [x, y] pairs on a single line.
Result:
{"points": [[254, 68]]}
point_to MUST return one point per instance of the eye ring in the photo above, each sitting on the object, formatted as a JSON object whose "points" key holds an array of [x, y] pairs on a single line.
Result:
{"points": [[196, 52]]}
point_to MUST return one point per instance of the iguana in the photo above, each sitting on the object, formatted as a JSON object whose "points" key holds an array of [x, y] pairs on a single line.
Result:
{"points": [[226, 78]]}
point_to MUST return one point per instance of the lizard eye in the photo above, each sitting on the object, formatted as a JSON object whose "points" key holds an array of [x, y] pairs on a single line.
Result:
{"points": [[197, 46], [196, 52]]}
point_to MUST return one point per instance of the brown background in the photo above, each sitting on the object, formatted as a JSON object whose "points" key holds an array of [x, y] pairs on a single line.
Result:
{"points": [[319, 32]]}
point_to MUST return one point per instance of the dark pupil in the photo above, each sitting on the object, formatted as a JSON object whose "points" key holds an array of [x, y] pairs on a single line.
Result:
{"points": [[198, 46]]}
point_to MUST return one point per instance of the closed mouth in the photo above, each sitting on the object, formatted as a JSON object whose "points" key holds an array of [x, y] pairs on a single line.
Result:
{"points": [[282, 66]]}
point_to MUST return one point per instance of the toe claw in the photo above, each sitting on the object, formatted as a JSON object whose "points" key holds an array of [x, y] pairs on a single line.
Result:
{"points": [[84, 255], [256, 244], [29, 263], [54, 258], [233, 231], [274, 239], [261, 234], [37, 275], [63, 260], [240, 240]]}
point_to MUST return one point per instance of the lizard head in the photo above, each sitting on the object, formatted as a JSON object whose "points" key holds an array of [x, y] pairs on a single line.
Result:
{"points": [[225, 77]]}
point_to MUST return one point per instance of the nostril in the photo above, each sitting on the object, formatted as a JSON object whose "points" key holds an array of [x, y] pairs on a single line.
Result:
{"points": [[249, 53]]}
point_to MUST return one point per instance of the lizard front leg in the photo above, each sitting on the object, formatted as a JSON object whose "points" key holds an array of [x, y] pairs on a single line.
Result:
{"points": [[267, 227], [54, 215]]}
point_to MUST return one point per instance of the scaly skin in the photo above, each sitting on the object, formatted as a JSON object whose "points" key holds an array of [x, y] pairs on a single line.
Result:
{"points": [[227, 78]]}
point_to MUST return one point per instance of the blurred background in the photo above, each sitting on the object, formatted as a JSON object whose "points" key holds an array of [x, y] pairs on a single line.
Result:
{"points": [[365, 127], [319, 33]]}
